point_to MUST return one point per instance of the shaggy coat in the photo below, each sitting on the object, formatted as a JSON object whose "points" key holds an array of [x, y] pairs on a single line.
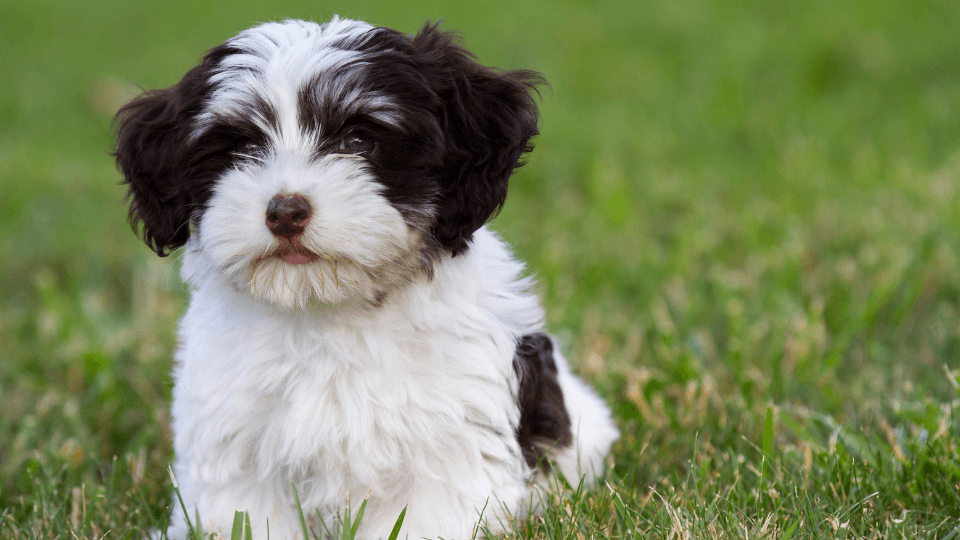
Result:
{"points": [[354, 329]]}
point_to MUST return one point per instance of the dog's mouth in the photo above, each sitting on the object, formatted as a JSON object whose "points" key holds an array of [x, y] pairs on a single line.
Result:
{"points": [[293, 252]]}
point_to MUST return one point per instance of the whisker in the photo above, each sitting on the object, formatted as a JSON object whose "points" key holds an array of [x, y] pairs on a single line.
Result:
{"points": [[248, 156], [323, 288]]}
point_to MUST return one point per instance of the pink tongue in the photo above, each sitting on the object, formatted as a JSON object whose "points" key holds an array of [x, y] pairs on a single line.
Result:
{"points": [[296, 258]]}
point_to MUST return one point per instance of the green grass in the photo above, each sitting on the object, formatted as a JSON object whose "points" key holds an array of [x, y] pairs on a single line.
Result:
{"points": [[744, 218]]}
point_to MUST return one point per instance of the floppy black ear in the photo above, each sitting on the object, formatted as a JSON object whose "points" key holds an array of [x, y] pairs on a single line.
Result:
{"points": [[488, 118], [148, 146], [153, 133]]}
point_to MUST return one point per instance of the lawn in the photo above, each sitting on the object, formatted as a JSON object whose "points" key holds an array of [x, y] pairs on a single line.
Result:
{"points": [[744, 218]]}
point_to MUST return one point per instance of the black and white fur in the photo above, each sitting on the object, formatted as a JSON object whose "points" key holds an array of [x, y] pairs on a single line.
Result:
{"points": [[353, 327]]}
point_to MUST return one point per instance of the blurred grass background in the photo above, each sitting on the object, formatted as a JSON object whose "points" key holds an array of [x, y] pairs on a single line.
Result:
{"points": [[744, 218]]}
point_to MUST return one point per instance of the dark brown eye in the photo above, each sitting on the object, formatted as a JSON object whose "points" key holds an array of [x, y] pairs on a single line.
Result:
{"points": [[250, 148], [355, 144]]}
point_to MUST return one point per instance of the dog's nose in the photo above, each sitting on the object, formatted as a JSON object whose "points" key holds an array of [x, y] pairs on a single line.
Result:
{"points": [[287, 215]]}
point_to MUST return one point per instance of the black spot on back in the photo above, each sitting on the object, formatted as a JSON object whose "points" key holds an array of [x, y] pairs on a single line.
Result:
{"points": [[544, 422]]}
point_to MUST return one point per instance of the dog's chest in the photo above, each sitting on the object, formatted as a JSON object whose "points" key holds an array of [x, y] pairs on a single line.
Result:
{"points": [[344, 401]]}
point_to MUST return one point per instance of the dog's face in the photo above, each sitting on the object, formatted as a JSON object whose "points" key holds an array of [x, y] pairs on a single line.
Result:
{"points": [[324, 163]]}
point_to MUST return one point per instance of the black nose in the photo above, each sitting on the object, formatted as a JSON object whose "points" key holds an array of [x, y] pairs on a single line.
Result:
{"points": [[287, 215]]}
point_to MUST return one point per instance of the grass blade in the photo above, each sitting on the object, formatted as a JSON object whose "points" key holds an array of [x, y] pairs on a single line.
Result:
{"points": [[236, 533], [197, 532], [356, 524], [768, 433], [345, 524], [323, 524], [788, 532], [396, 526], [303, 522]]}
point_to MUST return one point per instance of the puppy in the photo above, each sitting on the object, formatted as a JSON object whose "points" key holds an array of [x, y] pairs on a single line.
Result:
{"points": [[354, 329]]}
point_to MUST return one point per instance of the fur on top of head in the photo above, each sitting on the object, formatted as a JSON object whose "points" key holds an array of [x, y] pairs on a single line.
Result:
{"points": [[395, 148]]}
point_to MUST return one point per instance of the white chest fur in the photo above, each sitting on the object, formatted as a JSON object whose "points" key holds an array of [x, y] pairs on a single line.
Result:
{"points": [[347, 400]]}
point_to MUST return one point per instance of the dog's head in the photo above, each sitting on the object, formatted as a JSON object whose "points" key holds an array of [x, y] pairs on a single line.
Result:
{"points": [[325, 162]]}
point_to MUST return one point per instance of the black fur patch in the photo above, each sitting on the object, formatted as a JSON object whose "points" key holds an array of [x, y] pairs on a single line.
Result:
{"points": [[408, 154], [487, 118], [544, 422]]}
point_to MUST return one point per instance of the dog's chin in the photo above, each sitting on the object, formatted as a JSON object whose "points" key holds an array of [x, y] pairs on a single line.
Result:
{"points": [[298, 281]]}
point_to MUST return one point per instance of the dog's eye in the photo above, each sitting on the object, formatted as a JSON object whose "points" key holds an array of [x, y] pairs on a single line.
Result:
{"points": [[248, 149], [356, 144]]}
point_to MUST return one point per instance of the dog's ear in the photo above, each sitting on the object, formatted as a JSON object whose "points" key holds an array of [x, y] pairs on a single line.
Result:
{"points": [[488, 118], [153, 133], [149, 141]]}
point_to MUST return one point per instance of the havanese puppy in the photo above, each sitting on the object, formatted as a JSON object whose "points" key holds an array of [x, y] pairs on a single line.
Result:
{"points": [[354, 329]]}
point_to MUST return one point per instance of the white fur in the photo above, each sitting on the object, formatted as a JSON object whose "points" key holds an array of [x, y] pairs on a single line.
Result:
{"points": [[413, 402]]}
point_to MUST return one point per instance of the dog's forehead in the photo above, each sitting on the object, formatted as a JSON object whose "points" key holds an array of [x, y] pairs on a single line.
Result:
{"points": [[295, 49], [271, 67]]}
